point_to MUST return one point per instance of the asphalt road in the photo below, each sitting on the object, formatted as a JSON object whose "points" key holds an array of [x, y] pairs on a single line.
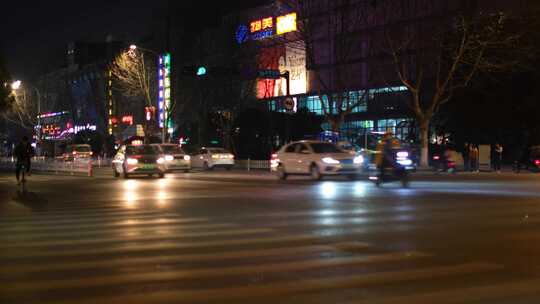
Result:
{"points": [[225, 237]]}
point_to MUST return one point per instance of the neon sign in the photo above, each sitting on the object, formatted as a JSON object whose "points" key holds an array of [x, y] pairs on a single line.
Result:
{"points": [[127, 119], [52, 114], [266, 28], [286, 24], [164, 90], [110, 101]]}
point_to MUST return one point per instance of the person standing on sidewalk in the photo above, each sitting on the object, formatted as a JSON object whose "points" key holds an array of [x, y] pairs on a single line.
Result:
{"points": [[474, 158], [466, 158], [497, 155]]}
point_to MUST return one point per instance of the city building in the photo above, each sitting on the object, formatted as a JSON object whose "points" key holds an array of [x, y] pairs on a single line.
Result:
{"points": [[332, 62]]}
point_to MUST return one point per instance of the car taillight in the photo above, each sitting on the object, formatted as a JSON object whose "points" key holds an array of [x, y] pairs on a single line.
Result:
{"points": [[436, 157], [537, 162], [274, 160], [91, 153], [74, 153]]}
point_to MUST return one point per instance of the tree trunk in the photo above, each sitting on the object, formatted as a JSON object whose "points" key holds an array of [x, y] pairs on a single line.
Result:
{"points": [[424, 143]]}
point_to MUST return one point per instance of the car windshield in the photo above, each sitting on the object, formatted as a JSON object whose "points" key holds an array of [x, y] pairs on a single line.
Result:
{"points": [[172, 149], [81, 148], [144, 150], [320, 148], [217, 150]]}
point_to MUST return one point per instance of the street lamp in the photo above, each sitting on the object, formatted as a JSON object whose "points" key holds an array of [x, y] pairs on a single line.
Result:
{"points": [[164, 89], [134, 47], [16, 85]]}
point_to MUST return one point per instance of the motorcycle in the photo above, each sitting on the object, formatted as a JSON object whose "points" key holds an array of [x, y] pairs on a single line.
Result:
{"points": [[398, 169], [443, 164]]}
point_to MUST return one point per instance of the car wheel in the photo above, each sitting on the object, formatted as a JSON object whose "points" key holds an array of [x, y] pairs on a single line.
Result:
{"points": [[150, 175], [115, 173], [228, 168], [186, 171], [161, 175], [205, 166], [281, 174], [315, 172]]}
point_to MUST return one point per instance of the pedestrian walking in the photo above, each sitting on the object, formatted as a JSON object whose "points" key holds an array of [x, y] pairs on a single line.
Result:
{"points": [[497, 157], [466, 158]]}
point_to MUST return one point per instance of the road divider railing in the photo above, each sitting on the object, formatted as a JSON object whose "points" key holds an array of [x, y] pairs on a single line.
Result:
{"points": [[77, 167], [252, 164]]}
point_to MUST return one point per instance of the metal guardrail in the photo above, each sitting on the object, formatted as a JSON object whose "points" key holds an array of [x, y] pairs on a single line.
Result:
{"points": [[250, 164], [85, 166], [79, 167]]}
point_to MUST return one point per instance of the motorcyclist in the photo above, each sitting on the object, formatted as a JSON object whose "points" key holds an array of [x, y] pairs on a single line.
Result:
{"points": [[385, 151], [23, 152]]}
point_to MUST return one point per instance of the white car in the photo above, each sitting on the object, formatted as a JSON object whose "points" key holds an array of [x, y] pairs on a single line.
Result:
{"points": [[315, 158], [175, 157], [138, 159], [210, 158]]}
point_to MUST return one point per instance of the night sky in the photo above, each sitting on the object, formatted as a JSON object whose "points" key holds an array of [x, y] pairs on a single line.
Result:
{"points": [[35, 33]]}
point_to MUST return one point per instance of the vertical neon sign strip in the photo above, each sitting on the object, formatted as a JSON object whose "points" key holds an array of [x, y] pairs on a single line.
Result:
{"points": [[110, 101], [167, 89], [161, 91]]}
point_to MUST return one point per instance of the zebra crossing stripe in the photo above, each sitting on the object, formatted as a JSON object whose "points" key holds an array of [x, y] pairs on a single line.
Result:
{"points": [[477, 294], [290, 287], [161, 276]]}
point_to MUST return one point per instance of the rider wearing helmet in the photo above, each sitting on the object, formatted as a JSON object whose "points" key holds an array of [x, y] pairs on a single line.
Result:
{"points": [[385, 151]]}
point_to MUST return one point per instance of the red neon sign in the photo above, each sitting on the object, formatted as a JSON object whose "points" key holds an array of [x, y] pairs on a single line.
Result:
{"points": [[127, 119], [256, 26]]}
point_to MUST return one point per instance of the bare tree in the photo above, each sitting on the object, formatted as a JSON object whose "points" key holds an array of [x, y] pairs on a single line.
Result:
{"points": [[22, 109], [435, 58], [335, 53], [135, 75]]}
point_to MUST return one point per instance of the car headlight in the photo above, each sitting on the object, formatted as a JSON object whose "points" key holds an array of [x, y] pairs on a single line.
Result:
{"points": [[215, 156], [132, 161], [169, 157], [359, 159], [187, 157], [403, 154], [231, 156], [160, 160], [405, 162], [330, 160]]}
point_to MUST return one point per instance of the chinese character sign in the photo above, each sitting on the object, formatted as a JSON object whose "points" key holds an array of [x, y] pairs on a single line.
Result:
{"points": [[267, 28], [164, 89]]}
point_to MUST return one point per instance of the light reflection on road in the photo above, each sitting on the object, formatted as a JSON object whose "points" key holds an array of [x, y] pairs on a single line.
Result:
{"points": [[328, 190]]}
